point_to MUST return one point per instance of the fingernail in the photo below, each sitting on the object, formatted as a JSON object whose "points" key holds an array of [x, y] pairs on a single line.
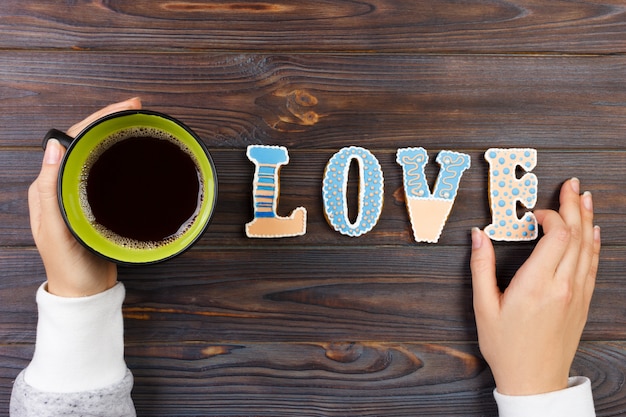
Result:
{"points": [[136, 99], [575, 183], [596, 233], [53, 153], [477, 238], [588, 201]]}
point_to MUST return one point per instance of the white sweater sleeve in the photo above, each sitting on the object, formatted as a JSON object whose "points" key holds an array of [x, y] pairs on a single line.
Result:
{"points": [[574, 401], [79, 350]]}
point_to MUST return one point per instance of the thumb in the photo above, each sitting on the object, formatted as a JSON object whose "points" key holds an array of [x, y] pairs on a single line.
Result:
{"points": [[483, 267], [42, 196], [47, 180]]}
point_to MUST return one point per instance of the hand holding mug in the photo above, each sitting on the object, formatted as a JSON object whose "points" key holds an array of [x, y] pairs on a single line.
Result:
{"points": [[71, 269], [136, 187]]}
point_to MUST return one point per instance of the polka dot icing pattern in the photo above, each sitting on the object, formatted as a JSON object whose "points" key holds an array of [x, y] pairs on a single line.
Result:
{"points": [[428, 211], [371, 193], [506, 190]]}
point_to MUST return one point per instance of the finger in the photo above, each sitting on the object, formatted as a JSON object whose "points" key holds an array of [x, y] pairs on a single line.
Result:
{"points": [[551, 248], [483, 267], [570, 203], [130, 104], [570, 211], [593, 269], [587, 244], [42, 195], [46, 182]]}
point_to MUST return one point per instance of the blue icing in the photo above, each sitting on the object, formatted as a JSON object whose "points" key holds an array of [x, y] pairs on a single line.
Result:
{"points": [[271, 155], [267, 159], [453, 164], [334, 187], [413, 162]]}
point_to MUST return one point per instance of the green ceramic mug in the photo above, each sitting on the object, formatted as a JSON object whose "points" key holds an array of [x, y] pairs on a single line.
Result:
{"points": [[136, 187]]}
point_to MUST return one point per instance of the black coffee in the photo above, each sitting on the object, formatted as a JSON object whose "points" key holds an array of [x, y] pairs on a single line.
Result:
{"points": [[144, 189]]}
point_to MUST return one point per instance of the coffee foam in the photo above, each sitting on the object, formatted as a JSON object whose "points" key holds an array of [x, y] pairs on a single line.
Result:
{"points": [[102, 147]]}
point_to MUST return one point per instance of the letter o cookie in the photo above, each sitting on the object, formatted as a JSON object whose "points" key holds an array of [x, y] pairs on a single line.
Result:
{"points": [[371, 193]]}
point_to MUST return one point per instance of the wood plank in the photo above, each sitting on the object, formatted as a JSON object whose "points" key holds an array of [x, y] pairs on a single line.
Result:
{"points": [[326, 379], [301, 182], [477, 26], [329, 101], [304, 294]]}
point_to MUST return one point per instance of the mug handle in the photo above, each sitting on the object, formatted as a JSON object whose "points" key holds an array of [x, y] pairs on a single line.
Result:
{"points": [[62, 137]]}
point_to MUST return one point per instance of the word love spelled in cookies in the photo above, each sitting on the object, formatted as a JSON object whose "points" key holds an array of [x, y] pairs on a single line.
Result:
{"points": [[428, 210]]}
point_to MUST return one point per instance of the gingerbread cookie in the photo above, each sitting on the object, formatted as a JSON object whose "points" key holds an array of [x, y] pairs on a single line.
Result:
{"points": [[371, 193], [428, 211], [266, 223], [506, 190]]}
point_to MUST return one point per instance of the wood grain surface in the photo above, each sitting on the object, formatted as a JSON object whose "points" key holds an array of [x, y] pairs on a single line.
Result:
{"points": [[323, 324]]}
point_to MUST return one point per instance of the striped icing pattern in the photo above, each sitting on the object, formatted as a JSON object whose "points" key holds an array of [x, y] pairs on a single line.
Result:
{"points": [[265, 194], [268, 160]]}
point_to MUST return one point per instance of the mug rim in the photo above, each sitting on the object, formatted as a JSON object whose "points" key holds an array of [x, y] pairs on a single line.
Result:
{"points": [[162, 253]]}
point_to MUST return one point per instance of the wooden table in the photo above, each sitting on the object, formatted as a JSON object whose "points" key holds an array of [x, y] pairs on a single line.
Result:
{"points": [[323, 324]]}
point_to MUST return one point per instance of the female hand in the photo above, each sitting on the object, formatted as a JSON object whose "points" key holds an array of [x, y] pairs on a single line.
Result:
{"points": [[72, 270], [530, 333]]}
